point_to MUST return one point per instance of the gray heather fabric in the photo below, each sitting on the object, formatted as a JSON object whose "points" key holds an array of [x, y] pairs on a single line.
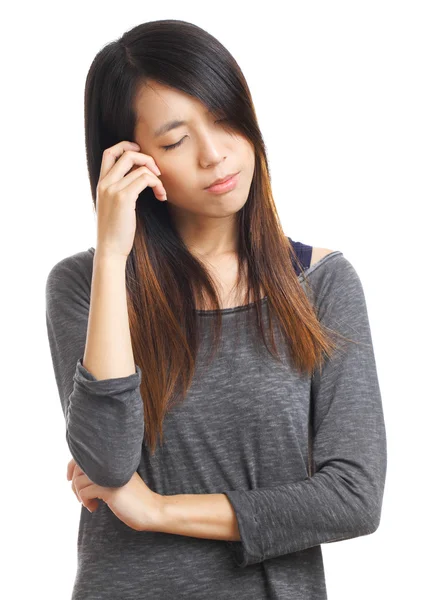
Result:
{"points": [[243, 431]]}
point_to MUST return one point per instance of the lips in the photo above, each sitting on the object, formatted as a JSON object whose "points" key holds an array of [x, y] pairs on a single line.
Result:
{"points": [[227, 186], [221, 180]]}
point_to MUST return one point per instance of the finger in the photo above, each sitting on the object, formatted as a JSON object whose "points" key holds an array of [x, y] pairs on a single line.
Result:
{"points": [[91, 505], [149, 179], [141, 182], [129, 159], [74, 485], [70, 469], [79, 482], [112, 154], [74, 489], [116, 163], [90, 492], [77, 471]]}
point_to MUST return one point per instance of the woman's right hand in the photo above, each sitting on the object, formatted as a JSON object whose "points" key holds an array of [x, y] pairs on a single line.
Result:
{"points": [[118, 189]]}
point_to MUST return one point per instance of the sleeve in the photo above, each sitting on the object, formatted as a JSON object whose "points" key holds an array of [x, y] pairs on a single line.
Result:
{"points": [[343, 497], [104, 418]]}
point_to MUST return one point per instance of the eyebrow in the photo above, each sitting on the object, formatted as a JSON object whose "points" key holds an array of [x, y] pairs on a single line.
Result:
{"points": [[170, 125]]}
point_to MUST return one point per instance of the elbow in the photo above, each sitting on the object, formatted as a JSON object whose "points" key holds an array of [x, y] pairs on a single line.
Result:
{"points": [[103, 468], [362, 523], [369, 520], [367, 500], [360, 511], [375, 520], [105, 436], [373, 502], [115, 479], [111, 478]]}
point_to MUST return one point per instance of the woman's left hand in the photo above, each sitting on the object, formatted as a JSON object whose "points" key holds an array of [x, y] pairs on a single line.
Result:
{"points": [[134, 503]]}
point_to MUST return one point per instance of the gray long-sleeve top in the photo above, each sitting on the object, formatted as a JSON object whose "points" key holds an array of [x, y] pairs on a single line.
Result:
{"points": [[243, 430]]}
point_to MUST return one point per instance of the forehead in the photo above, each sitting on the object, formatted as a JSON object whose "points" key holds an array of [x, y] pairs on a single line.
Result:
{"points": [[156, 103]]}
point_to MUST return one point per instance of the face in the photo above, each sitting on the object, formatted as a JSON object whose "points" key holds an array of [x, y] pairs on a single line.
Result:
{"points": [[192, 155]]}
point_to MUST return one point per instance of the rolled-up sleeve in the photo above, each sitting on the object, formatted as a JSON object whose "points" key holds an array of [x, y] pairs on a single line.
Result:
{"points": [[343, 497], [104, 418]]}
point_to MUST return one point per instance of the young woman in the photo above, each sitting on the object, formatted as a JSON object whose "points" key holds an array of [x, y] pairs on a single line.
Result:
{"points": [[218, 380]]}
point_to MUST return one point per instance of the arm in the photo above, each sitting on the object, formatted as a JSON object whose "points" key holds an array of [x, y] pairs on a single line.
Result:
{"points": [[343, 498], [209, 516], [98, 383], [108, 352]]}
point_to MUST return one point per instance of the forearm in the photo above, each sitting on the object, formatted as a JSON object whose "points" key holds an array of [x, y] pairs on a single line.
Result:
{"points": [[209, 516], [108, 350]]}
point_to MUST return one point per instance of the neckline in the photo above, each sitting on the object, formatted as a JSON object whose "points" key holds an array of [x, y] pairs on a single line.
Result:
{"points": [[235, 309], [232, 309]]}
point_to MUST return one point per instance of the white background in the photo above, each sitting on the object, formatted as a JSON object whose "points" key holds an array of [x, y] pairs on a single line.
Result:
{"points": [[349, 99]]}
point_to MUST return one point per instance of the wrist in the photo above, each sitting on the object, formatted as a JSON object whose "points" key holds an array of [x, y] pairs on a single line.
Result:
{"points": [[164, 515], [157, 519], [103, 256]]}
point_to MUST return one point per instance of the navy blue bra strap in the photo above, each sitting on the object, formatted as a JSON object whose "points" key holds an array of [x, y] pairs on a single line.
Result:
{"points": [[303, 253]]}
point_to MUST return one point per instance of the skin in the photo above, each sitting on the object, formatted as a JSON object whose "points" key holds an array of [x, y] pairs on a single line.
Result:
{"points": [[135, 504]]}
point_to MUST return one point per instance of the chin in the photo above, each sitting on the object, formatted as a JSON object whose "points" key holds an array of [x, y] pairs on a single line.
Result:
{"points": [[224, 205]]}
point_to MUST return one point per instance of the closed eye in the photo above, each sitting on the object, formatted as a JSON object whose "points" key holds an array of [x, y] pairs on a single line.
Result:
{"points": [[172, 146]]}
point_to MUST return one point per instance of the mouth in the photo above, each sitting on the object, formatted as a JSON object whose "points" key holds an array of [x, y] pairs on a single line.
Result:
{"points": [[226, 184]]}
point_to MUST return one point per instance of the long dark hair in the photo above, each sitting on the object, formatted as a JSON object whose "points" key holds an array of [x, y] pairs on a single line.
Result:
{"points": [[162, 276]]}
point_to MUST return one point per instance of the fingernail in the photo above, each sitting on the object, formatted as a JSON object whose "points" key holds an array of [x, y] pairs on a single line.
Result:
{"points": [[157, 171]]}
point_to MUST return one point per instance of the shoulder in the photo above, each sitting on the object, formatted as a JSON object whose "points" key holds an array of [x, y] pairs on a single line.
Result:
{"points": [[330, 266], [318, 253], [71, 275], [336, 283]]}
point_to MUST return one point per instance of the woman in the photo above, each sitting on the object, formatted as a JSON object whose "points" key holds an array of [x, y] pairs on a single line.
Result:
{"points": [[208, 461]]}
